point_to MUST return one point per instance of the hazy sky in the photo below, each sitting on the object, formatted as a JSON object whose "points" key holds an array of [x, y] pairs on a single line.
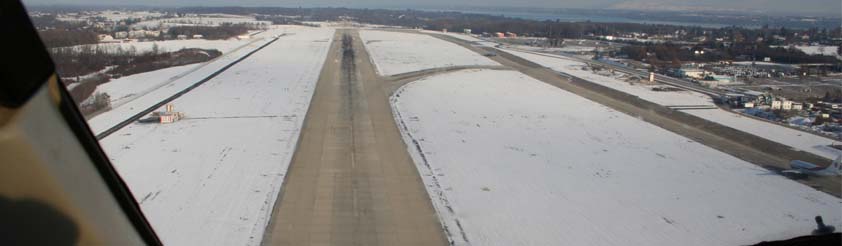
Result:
{"points": [[825, 7]]}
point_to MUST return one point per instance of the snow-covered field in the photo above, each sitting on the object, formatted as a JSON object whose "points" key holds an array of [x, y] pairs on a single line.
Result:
{"points": [[223, 46], [458, 35], [212, 178], [566, 48], [828, 50], [575, 68], [509, 160], [791, 137], [126, 88], [116, 15], [794, 138], [396, 53], [160, 84], [204, 20], [164, 84]]}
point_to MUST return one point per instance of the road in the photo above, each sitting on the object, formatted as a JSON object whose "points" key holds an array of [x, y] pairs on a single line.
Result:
{"points": [[351, 180], [751, 148]]}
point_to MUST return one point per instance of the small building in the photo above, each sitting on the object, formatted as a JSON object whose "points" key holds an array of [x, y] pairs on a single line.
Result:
{"points": [[154, 34], [243, 37], [511, 35], [198, 36], [694, 73], [466, 31], [499, 35], [786, 105], [181, 37], [104, 37], [137, 34], [776, 105], [165, 117], [444, 30], [797, 106], [121, 35], [748, 105]]}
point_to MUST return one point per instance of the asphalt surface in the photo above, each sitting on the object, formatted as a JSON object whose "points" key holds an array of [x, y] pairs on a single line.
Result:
{"points": [[351, 180]]}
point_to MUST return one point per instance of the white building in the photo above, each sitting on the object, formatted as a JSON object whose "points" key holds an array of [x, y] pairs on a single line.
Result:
{"points": [[104, 37], [786, 105], [121, 35], [198, 36], [137, 34], [694, 73], [153, 34], [776, 105]]}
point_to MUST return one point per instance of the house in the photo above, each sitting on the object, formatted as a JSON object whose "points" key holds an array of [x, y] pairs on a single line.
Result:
{"points": [[511, 35], [499, 35], [466, 31], [181, 37]]}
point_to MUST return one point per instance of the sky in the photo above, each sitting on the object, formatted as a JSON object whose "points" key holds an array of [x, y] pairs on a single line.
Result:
{"points": [[822, 7]]}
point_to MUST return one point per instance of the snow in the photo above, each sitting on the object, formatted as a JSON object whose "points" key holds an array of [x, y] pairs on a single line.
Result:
{"points": [[164, 87], [509, 160], [760, 63], [787, 136], [212, 178], [223, 46], [566, 48], [203, 20], [161, 84], [827, 50], [113, 15], [126, 88], [396, 53], [462, 36], [574, 68], [791, 137]]}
